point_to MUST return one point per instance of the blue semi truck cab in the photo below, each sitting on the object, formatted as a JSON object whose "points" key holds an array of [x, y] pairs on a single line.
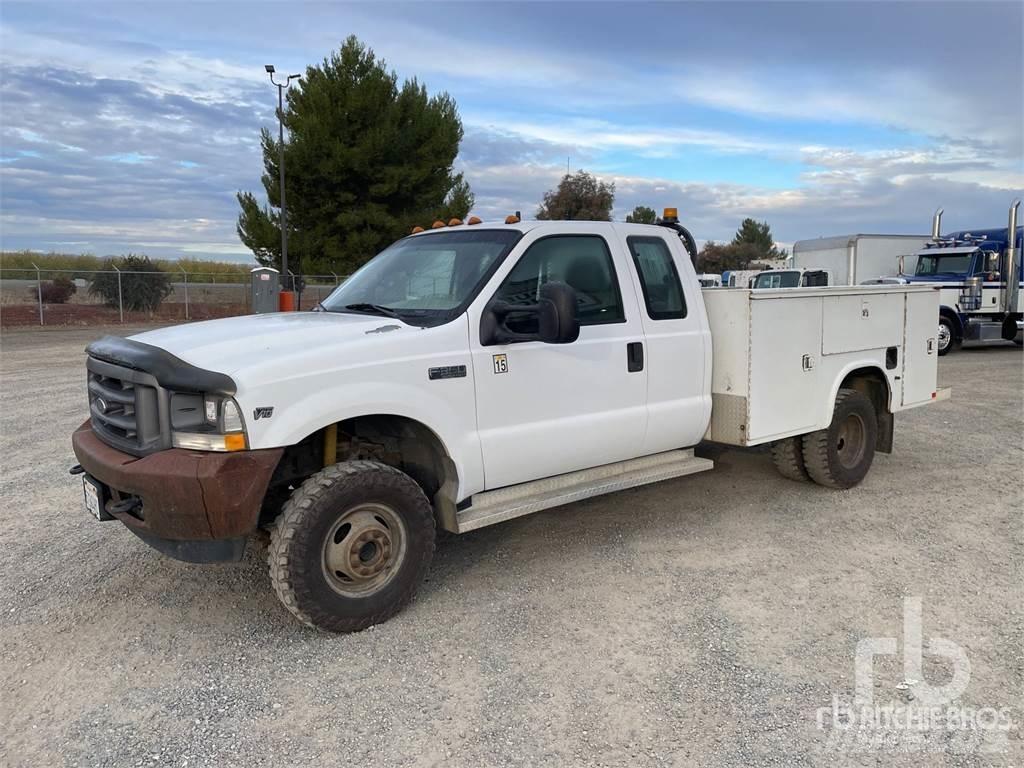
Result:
{"points": [[981, 272]]}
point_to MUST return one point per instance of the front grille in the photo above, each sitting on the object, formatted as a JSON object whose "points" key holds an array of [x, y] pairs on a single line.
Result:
{"points": [[128, 408]]}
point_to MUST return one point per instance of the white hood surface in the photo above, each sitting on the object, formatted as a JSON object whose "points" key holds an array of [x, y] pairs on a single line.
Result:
{"points": [[233, 343]]}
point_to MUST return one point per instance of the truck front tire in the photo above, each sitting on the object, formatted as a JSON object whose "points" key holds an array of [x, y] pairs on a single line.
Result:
{"points": [[841, 455], [788, 456], [947, 338], [351, 546]]}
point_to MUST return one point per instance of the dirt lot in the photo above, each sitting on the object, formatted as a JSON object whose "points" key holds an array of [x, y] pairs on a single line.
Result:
{"points": [[699, 621]]}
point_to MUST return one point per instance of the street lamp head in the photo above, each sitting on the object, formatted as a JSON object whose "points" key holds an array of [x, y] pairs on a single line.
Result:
{"points": [[294, 77], [269, 68]]}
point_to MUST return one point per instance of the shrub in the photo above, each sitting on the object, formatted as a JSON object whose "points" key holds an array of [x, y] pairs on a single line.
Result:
{"points": [[56, 291], [143, 284]]}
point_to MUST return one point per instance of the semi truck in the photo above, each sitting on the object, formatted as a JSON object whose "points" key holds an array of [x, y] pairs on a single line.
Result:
{"points": [[980, 272], [852, 259], [471, 374]]}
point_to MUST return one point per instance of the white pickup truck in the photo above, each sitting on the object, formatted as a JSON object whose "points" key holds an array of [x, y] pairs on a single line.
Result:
{"points": [[471, 374]]}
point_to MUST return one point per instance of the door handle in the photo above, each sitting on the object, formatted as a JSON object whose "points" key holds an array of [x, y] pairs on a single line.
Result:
{"points": [[635, 356]]}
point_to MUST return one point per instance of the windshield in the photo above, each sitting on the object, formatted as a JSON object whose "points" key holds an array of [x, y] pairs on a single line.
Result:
{"points": [[420, 280], [954, 264], [789, 279]]}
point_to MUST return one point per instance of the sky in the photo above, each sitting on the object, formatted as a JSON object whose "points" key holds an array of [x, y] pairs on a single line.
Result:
{"points": [[131, 127]]}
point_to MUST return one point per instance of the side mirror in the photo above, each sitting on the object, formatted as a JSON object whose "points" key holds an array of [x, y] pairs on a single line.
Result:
{"points": [[556, 318], [558, 323]]}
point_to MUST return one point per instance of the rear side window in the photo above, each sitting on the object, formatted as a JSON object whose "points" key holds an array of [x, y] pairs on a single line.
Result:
{"points": [[663, 293]]}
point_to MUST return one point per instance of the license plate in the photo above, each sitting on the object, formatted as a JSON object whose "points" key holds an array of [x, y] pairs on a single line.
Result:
{"points": [[92, 498]]}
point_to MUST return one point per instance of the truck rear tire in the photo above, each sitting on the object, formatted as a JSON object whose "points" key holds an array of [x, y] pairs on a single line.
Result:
{"points": [[788, 456], [351, 546], [841, 455]]}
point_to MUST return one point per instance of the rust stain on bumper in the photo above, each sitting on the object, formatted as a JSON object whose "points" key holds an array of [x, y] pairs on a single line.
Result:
{"points": [[186, 495]]}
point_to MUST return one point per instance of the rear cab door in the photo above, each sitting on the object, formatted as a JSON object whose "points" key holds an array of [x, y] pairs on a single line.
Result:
{"points": [[677, 338]]}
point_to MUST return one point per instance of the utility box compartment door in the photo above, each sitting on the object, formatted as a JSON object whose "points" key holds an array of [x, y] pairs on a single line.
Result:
{"points": [[859, 322], [920, 350], [785, 336]]}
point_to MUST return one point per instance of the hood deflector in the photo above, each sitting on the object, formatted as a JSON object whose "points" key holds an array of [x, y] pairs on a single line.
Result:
{"points": [[170, 371]]}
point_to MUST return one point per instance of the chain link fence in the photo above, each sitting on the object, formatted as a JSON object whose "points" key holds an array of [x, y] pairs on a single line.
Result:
{"points": [[101, 297]]}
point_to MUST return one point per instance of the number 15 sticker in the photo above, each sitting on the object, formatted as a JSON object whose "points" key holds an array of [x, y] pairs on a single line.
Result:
{"points": [[500, 364]]}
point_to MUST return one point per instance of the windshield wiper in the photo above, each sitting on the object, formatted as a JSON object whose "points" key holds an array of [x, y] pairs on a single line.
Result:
{"points": [[372, 309]]}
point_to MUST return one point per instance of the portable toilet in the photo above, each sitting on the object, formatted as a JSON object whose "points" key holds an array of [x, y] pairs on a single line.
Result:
{"points": [[265, 287]]}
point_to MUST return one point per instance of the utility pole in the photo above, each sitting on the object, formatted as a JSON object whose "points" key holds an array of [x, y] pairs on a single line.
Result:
{"points": [[287, 299]]}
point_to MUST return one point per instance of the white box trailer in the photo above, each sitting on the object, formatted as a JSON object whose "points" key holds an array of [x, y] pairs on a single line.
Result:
{"points": [[853, 259], [774, 350]]}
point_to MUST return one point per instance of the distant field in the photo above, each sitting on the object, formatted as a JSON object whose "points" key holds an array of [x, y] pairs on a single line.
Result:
{"points": [[77, 265], [206, 300]]}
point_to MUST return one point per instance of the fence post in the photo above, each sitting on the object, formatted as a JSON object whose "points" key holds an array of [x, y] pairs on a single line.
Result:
{"points": [[39, 292], [335, 279], [186, 290], [120, 294]]}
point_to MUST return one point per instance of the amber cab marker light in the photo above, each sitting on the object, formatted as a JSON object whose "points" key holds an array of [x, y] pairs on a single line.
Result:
{"points": [[437, 224], [454, 222], [473, 220], [417, 230], [511, 219]]}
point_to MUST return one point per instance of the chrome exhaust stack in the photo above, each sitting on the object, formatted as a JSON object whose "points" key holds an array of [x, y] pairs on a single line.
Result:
{"points": [[937, 224], [1012, 262]]}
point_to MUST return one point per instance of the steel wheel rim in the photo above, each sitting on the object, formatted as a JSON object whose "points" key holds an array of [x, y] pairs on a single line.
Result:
{"points": [[363, 550], [850, 441], [944, 336]]}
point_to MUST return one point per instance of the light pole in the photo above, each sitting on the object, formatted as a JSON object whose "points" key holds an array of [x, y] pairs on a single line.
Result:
{"points": [[287, 301]]}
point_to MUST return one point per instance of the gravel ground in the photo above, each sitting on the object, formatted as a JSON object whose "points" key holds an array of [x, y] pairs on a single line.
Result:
{"points": [[699, 621]]}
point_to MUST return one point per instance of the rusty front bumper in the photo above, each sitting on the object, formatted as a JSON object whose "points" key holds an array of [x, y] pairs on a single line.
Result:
{"points": [[196, 506]]}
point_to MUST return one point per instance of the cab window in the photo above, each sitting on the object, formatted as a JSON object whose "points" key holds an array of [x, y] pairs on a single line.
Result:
{"points": [[663, 294], [582, 261]]}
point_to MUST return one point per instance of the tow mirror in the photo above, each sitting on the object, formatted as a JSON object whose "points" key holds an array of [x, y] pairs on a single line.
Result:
{"points": [[556, 318]]}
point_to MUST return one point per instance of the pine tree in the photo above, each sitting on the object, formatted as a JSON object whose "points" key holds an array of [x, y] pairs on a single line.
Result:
{"points": [[366, 159]]}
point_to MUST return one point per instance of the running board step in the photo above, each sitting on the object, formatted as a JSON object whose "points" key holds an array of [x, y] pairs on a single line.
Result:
{"points": [[503, 504]]}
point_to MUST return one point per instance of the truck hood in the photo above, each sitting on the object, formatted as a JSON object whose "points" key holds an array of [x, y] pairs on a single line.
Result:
{"points": [[233, 343]]}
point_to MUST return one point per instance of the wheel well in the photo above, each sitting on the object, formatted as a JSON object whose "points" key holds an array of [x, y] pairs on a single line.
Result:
{"points": [[954, 318], [397, 441], [871, 382]]}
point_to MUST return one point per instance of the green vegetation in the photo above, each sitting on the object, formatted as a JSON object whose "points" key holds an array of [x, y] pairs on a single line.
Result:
{"points": [[579, 197], [79, 266], [140, 292], [752, 245], [366, 160], [642, 215]]}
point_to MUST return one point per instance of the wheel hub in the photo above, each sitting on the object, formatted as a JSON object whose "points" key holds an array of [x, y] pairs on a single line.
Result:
{"points": [[363, 549], [850, 441], [944, 336]]}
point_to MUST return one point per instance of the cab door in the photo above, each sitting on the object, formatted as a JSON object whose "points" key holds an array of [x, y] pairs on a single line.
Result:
{"points": [[678, 341], [547, 409]]}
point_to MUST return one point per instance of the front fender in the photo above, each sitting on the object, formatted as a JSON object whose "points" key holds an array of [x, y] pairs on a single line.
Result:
{"points": [[451, 417]]}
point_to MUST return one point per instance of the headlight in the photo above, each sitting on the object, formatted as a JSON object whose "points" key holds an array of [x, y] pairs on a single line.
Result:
{"points": [[224, 429]]}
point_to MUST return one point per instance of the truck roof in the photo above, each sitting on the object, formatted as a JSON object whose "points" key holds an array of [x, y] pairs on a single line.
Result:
{"points": [[558, 226]]}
